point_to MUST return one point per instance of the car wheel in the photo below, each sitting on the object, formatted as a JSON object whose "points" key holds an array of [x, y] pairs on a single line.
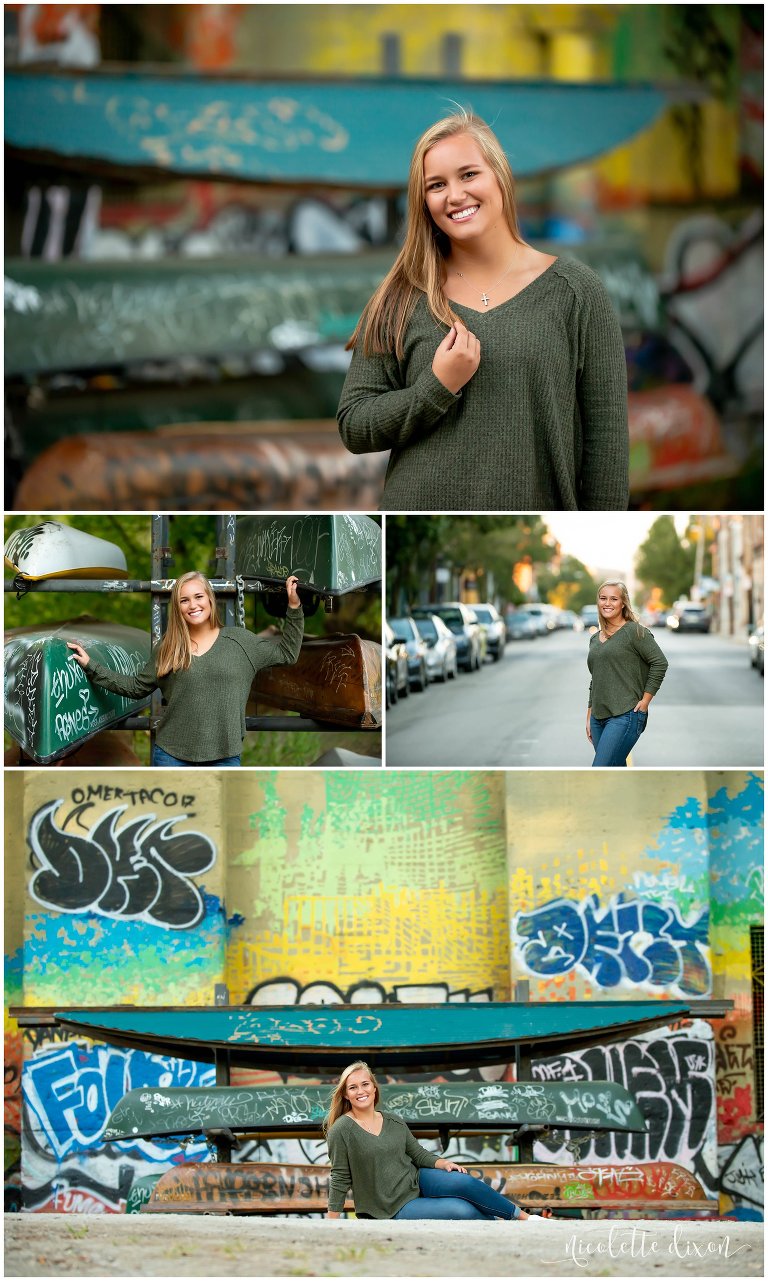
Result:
{"points": [[405, 691], [391, 690]]}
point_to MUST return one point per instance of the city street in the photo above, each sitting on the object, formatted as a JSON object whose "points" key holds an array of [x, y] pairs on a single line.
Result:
{"points": [[529, 709]]}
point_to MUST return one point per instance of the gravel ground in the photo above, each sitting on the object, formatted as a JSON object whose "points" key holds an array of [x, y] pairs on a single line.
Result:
{"points": [[175, 1245]]}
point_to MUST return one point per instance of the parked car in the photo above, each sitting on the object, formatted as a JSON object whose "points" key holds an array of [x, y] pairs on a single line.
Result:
{"points": [[397, 681], [462, 621], [490, 619], [690, 618], [405, 630], [520, 625], [590, 619], [441, 648], [568, 620], [757, 648], [543, 617]]}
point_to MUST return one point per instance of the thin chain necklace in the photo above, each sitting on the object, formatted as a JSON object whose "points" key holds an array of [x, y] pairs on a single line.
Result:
{"points": [[367, 1128], [486, 293]]}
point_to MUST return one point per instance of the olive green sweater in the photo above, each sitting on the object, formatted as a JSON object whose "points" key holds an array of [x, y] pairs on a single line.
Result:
{"points": [[204, 719], [623, 668], [541, 425], [382, 1169]]}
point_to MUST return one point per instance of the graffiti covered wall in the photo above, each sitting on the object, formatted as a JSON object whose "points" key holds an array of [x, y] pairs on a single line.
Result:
{"points": [[397, 881], [329, 886], [737, 896], [123, 903], [644, 890]]}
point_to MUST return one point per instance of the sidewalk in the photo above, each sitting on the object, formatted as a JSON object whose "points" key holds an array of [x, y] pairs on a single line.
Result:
{"points": [[178, 1245]]}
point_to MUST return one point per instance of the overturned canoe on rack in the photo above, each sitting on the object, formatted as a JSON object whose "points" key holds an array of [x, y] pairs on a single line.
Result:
{"points": [[427, 1109], [336, 679], [322, 132], [208, 1187], [53, 550], [312, 1038], [210, 467], [334, 554], [50, 705]]}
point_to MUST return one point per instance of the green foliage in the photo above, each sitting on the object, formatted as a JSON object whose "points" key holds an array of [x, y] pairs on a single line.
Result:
{"points": [[483, 544], [571, 587], [664, 561], [280, 747]]}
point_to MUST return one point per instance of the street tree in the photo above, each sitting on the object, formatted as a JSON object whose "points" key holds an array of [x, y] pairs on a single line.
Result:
{"points": [[664, 561]]}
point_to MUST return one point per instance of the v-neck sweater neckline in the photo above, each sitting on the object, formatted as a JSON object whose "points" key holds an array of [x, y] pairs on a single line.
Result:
{"points": [[487, 311]]}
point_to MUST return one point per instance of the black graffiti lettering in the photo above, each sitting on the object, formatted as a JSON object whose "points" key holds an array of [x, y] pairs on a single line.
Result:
{"points": [[136, 796], [677, 1100], [138, 871]]}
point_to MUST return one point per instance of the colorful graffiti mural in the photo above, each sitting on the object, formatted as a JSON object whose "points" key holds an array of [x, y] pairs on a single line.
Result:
{"points": [[671, 1076], [69, 1091], [334, 887], [139, 871], [629, 941]]}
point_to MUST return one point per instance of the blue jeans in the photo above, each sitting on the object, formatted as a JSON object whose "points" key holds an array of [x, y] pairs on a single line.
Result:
{"points": [[446, 1194], [613, 737], [164, 760]]}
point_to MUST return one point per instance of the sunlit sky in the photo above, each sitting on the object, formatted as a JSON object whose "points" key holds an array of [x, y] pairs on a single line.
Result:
{"points": [[605, 541]]}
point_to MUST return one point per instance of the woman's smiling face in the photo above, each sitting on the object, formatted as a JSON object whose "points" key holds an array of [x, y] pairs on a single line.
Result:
{"points": [[194, 604], [360, 1090], [610, 604], [461, 190]]}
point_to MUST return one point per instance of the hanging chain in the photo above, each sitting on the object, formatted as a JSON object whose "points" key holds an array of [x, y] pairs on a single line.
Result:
{"points": [[240, 585], [577, 1142]]}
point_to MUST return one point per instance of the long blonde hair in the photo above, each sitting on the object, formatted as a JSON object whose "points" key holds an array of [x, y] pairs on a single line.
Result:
{"points": [[420, 266], [174, 653], [339, 1101], [627, 612]]}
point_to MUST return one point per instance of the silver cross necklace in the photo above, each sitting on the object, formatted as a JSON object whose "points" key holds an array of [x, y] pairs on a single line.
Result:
{"points": [[486, 293]]}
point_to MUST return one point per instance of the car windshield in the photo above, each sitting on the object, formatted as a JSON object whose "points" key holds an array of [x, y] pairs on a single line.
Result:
{"points": [[484, 615], [402, 627], [427, 628]]}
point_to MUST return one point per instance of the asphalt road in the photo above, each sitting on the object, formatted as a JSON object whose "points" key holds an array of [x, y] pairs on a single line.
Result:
{"points": [[529, 709]]}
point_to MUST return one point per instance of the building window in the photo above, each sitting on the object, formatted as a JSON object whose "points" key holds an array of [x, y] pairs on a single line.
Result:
{"points": [[756, 944]]}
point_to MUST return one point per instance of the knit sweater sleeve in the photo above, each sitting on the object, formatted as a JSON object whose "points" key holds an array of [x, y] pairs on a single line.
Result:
{"points": [[378, 411], [419, 1155], [602, 396], [137, 685], [648, 647], [341, 1175], [283, 650]]}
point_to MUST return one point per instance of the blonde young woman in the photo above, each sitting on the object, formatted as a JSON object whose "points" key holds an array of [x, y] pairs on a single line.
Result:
{"points": [[205, 673], [494, 373], [627, 668], [391, 1175]]}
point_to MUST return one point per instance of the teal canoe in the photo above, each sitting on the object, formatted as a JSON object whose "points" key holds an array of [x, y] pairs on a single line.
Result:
{"points": [[312, 1038], [471, 1107], [332, 554], [51, 707], [354, 133]]}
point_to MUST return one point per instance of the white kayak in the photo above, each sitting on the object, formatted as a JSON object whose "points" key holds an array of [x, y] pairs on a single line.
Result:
{"points": [[53, 550]]}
